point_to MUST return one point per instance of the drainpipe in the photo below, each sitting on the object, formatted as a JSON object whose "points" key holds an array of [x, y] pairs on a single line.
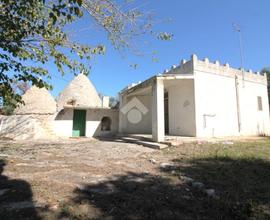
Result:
{"points": [[237, 103]]}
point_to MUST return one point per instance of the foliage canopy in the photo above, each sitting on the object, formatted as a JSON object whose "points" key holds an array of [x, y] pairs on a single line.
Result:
{"points": [[32, 33]]}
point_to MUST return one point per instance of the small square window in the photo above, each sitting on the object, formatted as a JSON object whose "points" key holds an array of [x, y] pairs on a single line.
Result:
{"points": [[260, 107]]}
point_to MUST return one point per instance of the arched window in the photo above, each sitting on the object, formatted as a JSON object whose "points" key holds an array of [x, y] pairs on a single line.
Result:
{"points": [[106, 124]]}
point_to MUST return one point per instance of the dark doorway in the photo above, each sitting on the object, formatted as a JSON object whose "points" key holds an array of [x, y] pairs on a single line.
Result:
{"points": [[106, 124], [166, 112], [79, 121]]}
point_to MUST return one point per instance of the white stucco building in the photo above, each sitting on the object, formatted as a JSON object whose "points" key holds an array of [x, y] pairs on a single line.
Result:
{"points": [[198, 99]]}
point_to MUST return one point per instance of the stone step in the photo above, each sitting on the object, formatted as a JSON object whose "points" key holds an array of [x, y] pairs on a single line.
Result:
{"points": [[145, 143]]}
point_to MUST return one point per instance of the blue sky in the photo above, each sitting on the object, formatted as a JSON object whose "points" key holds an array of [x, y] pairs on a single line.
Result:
{"points": [[199, 27]]}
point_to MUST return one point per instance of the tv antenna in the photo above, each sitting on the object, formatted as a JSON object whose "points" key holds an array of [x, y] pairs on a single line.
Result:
{"points": [[237, 29]]}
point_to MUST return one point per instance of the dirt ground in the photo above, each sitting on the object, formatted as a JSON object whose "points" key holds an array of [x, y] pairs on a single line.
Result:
{"points": [[67, 164], [91, 179], [54, 169]]}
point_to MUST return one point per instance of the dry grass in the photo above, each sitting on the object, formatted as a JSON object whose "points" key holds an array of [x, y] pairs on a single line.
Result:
{"points": [[239, 172]]}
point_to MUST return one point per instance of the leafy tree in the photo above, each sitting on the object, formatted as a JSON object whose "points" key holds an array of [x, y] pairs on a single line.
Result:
{"points": [[267, 71], [114, 102], [33, 33], [18, 88], [21, 87]]}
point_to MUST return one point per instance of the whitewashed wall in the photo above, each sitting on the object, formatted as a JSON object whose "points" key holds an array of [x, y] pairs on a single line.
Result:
{"points": [[63, 122], [182, 108], [254, 122], [145, 125], [216, 106], [93, 122]]}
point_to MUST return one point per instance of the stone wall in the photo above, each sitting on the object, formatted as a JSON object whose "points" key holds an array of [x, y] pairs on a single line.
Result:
{"points": [[22, 127]]}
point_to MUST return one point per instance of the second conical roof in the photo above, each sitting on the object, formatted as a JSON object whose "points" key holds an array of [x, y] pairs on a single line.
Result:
{"points": [[79, 93]]}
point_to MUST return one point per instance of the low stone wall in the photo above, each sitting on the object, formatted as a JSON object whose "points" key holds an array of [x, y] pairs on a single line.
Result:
{"points": [[22, 127]]}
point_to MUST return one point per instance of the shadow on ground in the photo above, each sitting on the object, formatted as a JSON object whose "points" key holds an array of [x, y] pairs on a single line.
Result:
{"points": [[242, 188], [132, 139], [243, 185], [15, 198]]}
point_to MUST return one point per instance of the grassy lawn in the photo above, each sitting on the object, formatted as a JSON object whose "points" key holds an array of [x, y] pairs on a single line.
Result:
{"points": [[175, 184], [239, 172]]}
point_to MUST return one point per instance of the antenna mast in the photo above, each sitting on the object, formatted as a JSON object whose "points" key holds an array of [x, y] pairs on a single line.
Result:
{"points": [[237, 28]]}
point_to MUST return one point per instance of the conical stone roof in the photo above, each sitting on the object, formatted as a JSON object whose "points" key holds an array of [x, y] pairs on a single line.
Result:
{"points": [[79, 93], [36, 101]]}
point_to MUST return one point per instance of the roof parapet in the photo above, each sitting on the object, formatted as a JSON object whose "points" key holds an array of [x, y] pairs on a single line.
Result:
{"points": [[206, 60], [217, 63], [166, 71], [194, 57], [173, 67], [183, 62], [214, 67], [227, 65]]}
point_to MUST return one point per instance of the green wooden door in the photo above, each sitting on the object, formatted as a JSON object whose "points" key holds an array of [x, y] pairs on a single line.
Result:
{"points": [[79, 121]]}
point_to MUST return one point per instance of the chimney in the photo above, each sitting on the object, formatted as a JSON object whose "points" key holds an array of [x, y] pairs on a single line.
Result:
{"points": [[105, 101]]}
